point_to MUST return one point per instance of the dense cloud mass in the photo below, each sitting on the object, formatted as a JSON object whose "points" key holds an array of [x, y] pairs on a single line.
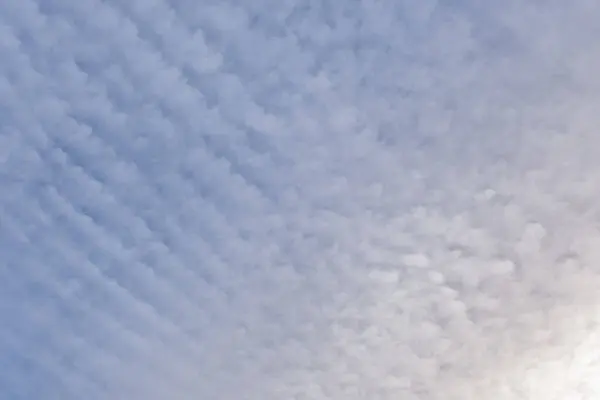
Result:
{"points": [[307, 199]]}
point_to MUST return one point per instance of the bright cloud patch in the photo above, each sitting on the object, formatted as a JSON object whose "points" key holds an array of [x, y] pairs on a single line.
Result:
{"points": [[272, 200]]}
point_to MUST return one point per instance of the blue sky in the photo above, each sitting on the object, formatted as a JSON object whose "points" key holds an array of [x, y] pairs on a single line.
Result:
{"points": [[299, 199]]}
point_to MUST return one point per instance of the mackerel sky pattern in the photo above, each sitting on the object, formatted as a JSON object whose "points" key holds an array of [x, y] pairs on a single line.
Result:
{"points": [[307, 199]]}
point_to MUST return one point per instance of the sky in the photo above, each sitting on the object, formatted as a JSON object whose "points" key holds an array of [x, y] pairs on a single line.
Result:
{"points": [[308, 199]]}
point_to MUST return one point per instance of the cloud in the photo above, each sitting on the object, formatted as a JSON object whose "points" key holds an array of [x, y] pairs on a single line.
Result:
{"points": [[307, 200]]}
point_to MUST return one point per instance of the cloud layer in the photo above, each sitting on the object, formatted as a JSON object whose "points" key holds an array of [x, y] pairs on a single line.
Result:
{"points": [[299, 199]]}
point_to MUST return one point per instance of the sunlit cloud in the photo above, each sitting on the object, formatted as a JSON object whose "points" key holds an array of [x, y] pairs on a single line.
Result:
{"points": [[299, 200]]}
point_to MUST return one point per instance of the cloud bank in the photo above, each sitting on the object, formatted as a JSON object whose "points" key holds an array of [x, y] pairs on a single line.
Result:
{"points": [[299, 199]]}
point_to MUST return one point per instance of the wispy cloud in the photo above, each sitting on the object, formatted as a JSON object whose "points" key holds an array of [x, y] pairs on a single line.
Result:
{"points": [[298, 199]]}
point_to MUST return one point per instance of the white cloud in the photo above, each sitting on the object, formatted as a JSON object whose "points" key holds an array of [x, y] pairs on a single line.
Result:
{"points": [[298, 200]]}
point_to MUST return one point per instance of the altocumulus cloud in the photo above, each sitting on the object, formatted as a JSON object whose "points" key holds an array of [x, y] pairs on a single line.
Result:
{"points": [[279, 199]]}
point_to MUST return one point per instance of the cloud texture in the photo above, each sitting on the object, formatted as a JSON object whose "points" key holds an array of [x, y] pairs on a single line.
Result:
{"points": [[278, 199]]}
